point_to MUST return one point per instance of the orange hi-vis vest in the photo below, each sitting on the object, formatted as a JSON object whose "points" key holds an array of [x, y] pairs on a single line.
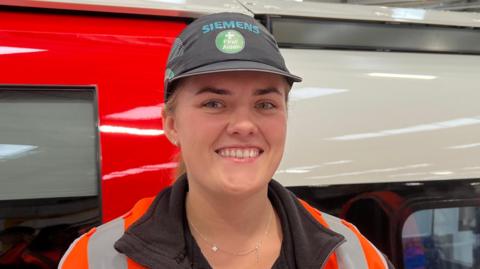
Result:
{"points": [[94, 250]]}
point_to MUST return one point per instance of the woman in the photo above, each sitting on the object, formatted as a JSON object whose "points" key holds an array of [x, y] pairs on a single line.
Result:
{"points": [[226, 92]]}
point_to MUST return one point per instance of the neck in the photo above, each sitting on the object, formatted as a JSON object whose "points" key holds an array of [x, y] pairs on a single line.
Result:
{"points": [[225, 220]]}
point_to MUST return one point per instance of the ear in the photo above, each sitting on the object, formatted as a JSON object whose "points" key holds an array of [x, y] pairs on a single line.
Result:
{"points": [[169, 127]]}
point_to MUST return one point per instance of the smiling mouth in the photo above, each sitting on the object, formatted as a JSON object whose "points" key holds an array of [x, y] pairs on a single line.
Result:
{"points": [[239, 153]]}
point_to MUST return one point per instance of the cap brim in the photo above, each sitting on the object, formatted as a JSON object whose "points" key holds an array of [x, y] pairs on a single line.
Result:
{"points": [[229, 66]]}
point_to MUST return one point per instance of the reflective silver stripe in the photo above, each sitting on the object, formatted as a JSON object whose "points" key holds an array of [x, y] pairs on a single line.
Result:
{"points": [[350, 254], [380, 255], [101, 254], [70, 248]]}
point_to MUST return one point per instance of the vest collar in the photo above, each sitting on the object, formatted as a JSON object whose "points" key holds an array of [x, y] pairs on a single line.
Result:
{"points": [[157, 239]]}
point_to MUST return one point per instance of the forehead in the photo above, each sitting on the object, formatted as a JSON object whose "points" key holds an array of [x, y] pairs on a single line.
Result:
{"points": [[235, 80]]}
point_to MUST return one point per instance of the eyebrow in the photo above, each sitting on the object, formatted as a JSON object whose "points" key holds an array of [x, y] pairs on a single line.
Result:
{"points": [[213, 90], [267, 91], [227, 92]]}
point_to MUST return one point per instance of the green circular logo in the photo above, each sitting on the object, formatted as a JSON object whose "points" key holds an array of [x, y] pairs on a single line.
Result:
{"points": [[230, 41]]}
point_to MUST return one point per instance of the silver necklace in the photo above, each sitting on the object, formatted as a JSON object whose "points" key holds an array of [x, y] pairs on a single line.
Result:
{"points": [[215, 248]]}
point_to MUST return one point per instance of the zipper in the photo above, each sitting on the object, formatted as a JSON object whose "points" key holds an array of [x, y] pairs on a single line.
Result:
{"points": [[331, 252]]}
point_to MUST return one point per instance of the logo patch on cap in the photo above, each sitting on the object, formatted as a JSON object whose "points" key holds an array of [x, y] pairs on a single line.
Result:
{"points": [[230, 41]]}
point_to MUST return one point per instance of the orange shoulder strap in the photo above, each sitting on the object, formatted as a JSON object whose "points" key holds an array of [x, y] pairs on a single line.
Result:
{"points": [[76, 256], [331, 263], [137, 211], [314, 212], [373, 258]]}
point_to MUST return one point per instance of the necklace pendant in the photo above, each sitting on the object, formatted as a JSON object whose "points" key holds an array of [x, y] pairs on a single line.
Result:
{"points": [[214, 248]]}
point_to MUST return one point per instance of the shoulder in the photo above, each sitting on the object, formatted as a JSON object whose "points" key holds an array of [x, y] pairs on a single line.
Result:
{"points": [[356, 251], [95, 249]]}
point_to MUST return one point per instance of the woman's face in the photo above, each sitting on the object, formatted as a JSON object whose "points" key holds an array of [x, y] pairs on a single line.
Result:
{"points": [[231, 129]]}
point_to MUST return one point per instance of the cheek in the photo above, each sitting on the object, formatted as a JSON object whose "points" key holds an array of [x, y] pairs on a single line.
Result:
{"points": [[185, 126], [275, 131], [196, 130]]}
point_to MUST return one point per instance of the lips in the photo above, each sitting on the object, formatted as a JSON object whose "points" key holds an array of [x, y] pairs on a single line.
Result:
{"points": [[239, 153]]}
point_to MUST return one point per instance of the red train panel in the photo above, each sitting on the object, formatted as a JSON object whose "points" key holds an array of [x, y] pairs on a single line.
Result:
{"points": [[124, 59]]}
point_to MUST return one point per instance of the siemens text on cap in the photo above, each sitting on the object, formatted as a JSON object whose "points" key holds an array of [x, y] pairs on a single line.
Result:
{"points": [[230, 25]]}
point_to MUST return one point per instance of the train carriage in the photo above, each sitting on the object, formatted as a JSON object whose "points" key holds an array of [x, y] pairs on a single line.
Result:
{"points": [[384, 130]]}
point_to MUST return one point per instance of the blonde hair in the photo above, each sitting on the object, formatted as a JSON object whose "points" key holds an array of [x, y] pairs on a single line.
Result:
{"points": [[169, 110]]}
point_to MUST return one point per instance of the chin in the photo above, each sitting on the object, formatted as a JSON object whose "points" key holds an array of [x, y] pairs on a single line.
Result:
{"points": [[239, 185]]}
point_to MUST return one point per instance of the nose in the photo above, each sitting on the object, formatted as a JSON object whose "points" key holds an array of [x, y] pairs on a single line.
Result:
{"points": [[242, 123]]}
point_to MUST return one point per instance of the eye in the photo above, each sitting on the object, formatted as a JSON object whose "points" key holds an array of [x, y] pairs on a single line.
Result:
{"points": [[265, 105], [213, 104]]}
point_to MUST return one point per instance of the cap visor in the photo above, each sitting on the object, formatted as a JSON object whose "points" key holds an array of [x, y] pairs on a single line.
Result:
{"points": [[238, 66]]}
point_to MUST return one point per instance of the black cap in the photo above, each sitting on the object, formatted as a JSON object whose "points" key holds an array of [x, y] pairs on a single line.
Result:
{"points": [[224, 42]]}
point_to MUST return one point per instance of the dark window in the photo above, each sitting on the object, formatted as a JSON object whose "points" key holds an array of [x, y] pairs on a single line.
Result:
{"points": [[444, 238], [49, 191], [362, 35]]}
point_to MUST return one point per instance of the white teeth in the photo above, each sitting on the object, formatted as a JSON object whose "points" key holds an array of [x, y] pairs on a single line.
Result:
{"points": [[239, 153]]}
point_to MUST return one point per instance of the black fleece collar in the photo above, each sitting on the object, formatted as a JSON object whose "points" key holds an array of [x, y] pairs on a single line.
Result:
{"points": [[157, 239]]}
